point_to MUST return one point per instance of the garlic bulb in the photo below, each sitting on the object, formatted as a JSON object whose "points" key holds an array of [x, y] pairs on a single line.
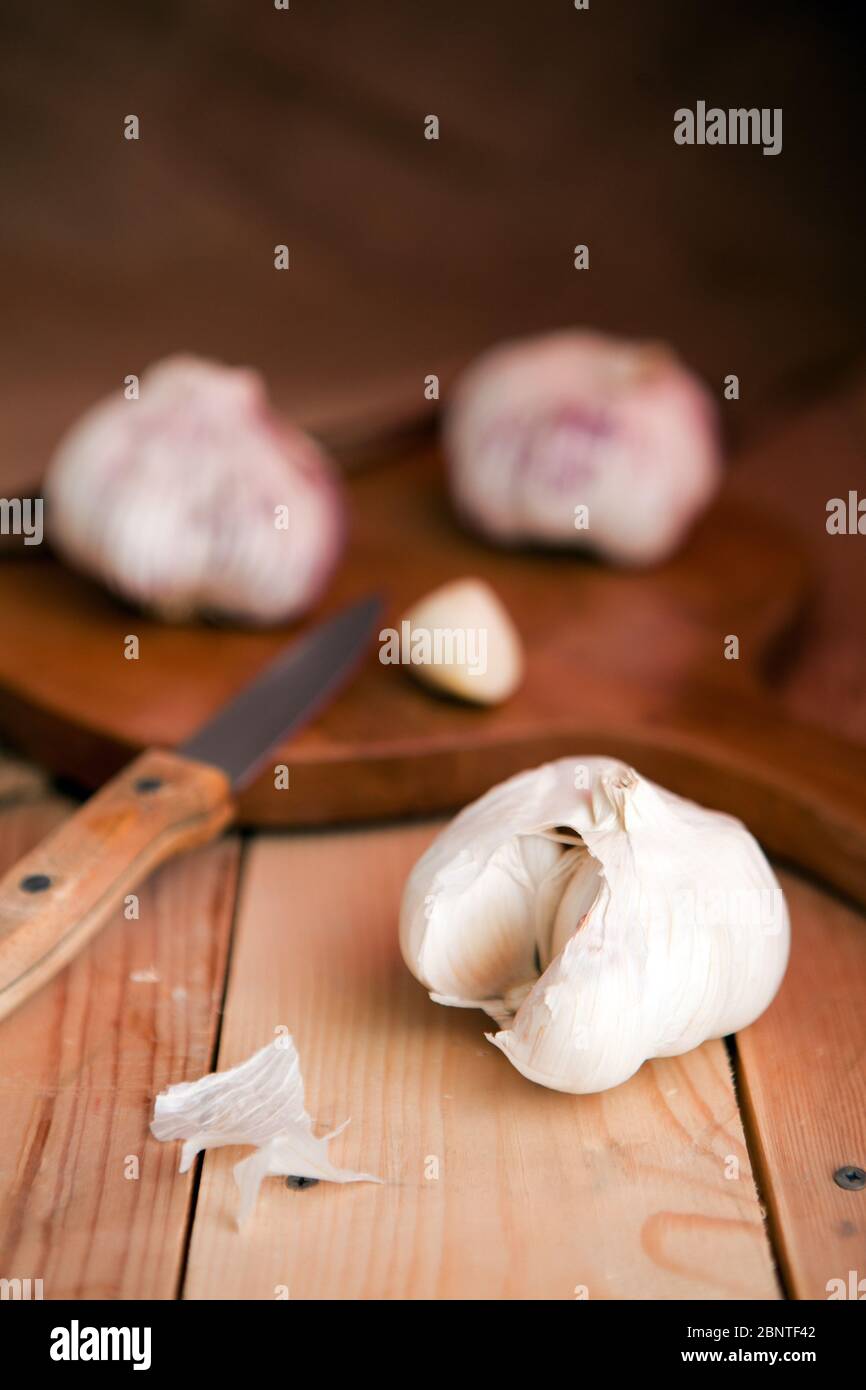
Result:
{"points": [[194, 498], [598, 919], [582, 440]]}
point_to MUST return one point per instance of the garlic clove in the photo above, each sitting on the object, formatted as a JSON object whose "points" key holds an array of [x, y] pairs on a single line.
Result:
{"points": [[584, 885], [583, 440], [481, 944], [662, 925], [461, 639]]}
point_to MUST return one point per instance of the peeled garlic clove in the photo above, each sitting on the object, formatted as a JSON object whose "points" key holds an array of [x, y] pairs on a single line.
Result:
{"points": [[657, 924], [583, 440], [460, 639], [196, 499]]}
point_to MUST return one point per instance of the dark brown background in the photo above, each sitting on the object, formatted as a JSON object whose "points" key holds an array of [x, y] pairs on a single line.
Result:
{"points": [[306, 127]]}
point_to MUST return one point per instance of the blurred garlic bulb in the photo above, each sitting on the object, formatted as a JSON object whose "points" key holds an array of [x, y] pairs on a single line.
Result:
{"points": [[582, 440], [196, 499], [597, 927]]}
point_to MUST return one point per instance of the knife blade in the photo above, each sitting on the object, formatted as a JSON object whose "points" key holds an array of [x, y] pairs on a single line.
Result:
{"points": [[57, 897], [285, 696]]}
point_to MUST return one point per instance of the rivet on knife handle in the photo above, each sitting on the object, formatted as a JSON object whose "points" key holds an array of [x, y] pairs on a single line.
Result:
{"points": [[59, 895]]}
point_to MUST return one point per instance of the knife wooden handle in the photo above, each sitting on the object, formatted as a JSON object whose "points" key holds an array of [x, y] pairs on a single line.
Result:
{"points": [[56, 897]]}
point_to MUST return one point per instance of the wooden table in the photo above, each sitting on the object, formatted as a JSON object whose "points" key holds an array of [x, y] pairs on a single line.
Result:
{"points": [[706, 1176]]}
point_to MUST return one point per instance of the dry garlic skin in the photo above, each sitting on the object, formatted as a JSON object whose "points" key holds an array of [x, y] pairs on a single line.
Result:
{"points": [[259, 1103], [599, 924], [194, 498], [577, 439]]}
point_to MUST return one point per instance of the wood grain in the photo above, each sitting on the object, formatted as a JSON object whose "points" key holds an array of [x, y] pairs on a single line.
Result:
{"points": [[82, 1062], [802, 1070], [538, 1194], [60, 894]]}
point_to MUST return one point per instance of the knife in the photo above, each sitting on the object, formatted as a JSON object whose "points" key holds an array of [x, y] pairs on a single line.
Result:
{"points": [[58, 896]]}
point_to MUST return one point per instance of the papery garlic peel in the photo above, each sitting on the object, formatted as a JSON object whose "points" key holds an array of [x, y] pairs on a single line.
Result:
{"points": [[196, 499], [261, 1103], [598, 919], [577, 439]]}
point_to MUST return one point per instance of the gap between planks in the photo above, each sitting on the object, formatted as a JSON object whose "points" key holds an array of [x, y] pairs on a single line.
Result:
{"points": [[802, 1075]]}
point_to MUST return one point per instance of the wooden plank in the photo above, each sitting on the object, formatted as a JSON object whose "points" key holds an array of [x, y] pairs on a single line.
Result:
{"points": [[81, 1062], [803, 1077], [538, 1193]]}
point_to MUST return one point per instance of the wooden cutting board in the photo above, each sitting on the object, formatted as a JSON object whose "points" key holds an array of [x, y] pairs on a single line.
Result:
{"points": [[628, 663]]}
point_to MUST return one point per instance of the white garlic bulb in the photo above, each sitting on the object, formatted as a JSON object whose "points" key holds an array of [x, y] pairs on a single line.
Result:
{"points": [[194, 498], [598, 927], [576, 439]]}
